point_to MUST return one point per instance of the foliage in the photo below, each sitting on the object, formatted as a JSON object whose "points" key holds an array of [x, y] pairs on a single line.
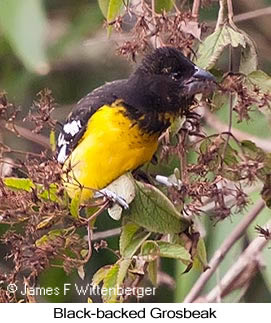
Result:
{"points": [[205, 172]]}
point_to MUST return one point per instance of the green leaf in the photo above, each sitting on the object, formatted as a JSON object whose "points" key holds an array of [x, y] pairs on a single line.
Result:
{"points": [[251, 150], [110, 9], [21, 184], [261, 80], [46, 222], [23, 23], [48, 195], [205, 145], [131, 239], [114, 8], [99, 275], [112, 278], [212, 47], [74, 206], [152, 210], [152, 270], [111, 284], [230, 155], [124, 265], [163, 5], [150, 251], [84, 253], [103, 4], [127, 233], [53, 140], [249, 58], [172, 250], [200, 261], [52, 235]]}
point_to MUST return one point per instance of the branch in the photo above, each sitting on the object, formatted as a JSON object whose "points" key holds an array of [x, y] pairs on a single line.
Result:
{"points": [[223, 250], [252, 14], [27, 134], [106, 234], [244, 268]]}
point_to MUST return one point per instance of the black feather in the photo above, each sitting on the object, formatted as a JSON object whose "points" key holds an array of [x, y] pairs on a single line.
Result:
{"points": [[160, 85]]}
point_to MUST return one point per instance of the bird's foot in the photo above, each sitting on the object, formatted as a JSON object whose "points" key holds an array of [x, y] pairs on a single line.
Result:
{"points": [[115, 198]]}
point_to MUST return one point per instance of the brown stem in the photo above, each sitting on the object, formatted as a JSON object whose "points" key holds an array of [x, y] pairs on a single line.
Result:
{"points": [[182, 156], [195, 10], [252, 14], [223, 250], [221, 14], [230, 11], [28, 134], [230, 110], [106, 234]]}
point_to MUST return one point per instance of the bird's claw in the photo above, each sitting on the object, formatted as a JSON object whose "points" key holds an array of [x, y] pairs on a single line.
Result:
{"points": [[112, 196]]}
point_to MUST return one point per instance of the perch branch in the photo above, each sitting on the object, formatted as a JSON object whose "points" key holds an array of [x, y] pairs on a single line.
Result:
{"points": [[249, 259], [223, 250]]}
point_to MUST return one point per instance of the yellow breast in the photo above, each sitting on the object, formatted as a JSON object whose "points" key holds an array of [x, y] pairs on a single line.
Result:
{"points": [[111, 146]]}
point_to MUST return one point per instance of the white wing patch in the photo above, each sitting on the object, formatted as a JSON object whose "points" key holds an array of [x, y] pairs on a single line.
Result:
{"points": [[72, 128], [61, 141], [61, 157]]}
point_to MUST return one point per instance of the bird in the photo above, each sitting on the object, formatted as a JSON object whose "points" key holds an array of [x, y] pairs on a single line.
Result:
{"points": [[115, 128]]}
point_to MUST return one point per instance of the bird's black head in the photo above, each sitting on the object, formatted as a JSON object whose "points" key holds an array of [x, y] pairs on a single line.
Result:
{"points": [[167, 81]]}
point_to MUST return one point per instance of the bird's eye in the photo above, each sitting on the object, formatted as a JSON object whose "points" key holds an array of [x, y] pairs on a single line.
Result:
{"points": [[175, 76], [166, 70]]}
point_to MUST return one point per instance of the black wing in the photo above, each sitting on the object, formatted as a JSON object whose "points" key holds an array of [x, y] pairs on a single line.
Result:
{"points": [[76, 123]]}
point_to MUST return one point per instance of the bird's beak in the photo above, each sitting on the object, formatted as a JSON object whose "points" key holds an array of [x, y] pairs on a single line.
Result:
{"points": [[203, 75], [200, 82]]}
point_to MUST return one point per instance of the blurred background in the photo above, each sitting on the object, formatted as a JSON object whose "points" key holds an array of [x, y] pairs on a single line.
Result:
{"points": [[63, 46]]}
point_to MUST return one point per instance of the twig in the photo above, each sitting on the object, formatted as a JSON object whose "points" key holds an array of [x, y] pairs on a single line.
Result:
{"points": [[231, 108], [96, 214], [106, 234], [221, 14], [247, 16], [182, 157], [252, 14], [195, 10], [153, 10], [223, 250], [248, 259], [90, 238], [230, 11], [27, 134]]}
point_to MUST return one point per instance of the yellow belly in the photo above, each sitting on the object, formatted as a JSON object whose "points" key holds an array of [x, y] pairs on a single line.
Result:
{"points": [[111, 146]]}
